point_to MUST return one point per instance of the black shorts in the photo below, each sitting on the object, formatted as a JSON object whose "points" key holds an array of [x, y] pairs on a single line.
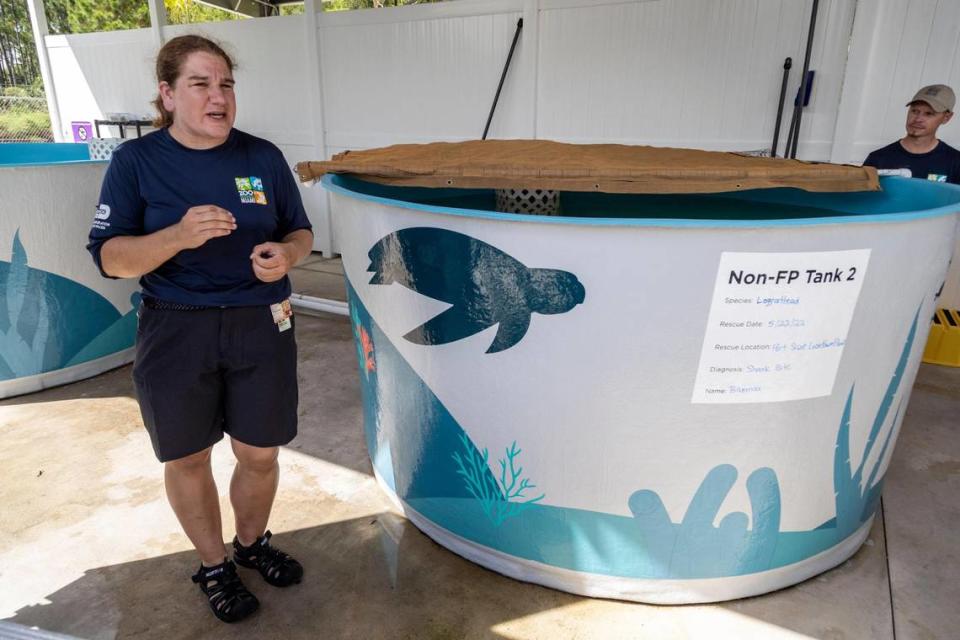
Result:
{"points": [[205, 372]]}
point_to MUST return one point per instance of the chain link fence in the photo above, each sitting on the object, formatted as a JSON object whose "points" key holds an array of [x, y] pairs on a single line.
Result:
{"points": [[23, 117]]}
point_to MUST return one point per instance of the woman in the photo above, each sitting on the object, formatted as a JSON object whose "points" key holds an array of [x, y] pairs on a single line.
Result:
{"points": [[211, 220]]}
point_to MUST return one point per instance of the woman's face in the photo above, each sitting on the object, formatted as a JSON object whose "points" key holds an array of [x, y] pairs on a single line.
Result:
{"points": [[201, 100]]}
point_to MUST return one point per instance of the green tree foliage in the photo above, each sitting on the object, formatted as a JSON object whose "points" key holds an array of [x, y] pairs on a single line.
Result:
{"points": [[190, 12], [18, 56], [86, 16], [347, 5]]}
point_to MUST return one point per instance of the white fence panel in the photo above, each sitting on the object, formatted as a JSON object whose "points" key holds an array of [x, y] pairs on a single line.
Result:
{"points": [[686, 73], [422, 73], [99, 73], [271, 58]]}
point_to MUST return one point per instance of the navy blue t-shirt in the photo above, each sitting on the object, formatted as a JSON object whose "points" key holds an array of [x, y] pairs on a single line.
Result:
{"points": [[942, 164], [153, 180]]}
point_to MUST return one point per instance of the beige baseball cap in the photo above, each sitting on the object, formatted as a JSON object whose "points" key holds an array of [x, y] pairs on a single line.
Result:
{"points": [[938, 96]]}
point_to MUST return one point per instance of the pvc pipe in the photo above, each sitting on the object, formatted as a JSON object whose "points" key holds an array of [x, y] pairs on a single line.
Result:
{"points": [[300, 301]]}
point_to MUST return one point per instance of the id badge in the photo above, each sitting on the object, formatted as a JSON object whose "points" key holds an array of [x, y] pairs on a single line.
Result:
{"points": [[282, 312]]}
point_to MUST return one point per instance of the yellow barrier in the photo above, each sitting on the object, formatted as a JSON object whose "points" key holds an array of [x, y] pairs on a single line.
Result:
{"points": [[943, 345]]}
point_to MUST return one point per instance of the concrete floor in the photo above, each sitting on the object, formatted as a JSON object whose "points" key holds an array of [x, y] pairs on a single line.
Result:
{"points": [[89, 547]]}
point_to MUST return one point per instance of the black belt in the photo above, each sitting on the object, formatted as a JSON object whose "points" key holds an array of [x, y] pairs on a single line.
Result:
{"points": [[164, 305]]}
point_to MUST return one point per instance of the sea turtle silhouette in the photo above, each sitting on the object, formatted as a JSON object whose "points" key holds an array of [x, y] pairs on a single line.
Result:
{"points": [[485, 285]]}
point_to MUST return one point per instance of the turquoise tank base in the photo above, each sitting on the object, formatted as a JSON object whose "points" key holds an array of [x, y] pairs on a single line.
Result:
{"points": [[474, 293], [60, 321]]}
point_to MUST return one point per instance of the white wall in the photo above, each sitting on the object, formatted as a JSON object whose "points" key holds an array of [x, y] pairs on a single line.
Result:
{"points": [[683, 73], [665, 72], [686, 73], [416, 74], [100, 73]]}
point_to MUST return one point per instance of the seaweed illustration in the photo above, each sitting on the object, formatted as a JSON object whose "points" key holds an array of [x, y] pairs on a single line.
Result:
{"points": [[684, 549], [48, 321], [856, 500], [22, 356], [732, 547], [498, 501]]}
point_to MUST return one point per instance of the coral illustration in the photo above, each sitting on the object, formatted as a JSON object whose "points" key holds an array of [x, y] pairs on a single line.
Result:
{"points": [[731, 547], [363, 342], [366, 344], [512, 492], [499, 502], [473, 467]]}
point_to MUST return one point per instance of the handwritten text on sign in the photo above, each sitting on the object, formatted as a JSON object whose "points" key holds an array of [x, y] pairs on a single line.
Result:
{"points": [[777, 325]]}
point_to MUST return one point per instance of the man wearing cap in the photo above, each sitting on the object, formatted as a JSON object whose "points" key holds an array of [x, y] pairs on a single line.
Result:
{"points": [[920, 154]]}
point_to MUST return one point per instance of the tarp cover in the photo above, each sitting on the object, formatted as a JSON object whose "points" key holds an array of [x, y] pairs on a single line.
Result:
{"points": [[610, 168]]}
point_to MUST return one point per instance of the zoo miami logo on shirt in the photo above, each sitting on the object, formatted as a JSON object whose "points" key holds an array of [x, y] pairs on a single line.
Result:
{"points": [[251, 190], [936, 177]]}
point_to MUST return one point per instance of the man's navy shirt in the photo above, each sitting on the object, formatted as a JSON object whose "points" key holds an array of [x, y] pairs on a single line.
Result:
{"points": [[942, 164], [153, 180]]}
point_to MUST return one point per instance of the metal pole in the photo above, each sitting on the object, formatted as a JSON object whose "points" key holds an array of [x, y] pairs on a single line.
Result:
{"points": [[158, 20], [788, 150], [803, 78], [783, 92], [506, 66], [38, 23], [317, 201]]}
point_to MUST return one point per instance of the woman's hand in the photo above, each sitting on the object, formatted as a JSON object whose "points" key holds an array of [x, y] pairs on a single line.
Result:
{"points": [[134, 256], [202, 223], [272, 260]]}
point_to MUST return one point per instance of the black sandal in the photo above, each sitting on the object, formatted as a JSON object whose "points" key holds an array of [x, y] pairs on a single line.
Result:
{"points": [[276, 567], [229, 600]]}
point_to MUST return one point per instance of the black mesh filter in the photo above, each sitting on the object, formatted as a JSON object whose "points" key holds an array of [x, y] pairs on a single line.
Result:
{"points": [[542, 202]]}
